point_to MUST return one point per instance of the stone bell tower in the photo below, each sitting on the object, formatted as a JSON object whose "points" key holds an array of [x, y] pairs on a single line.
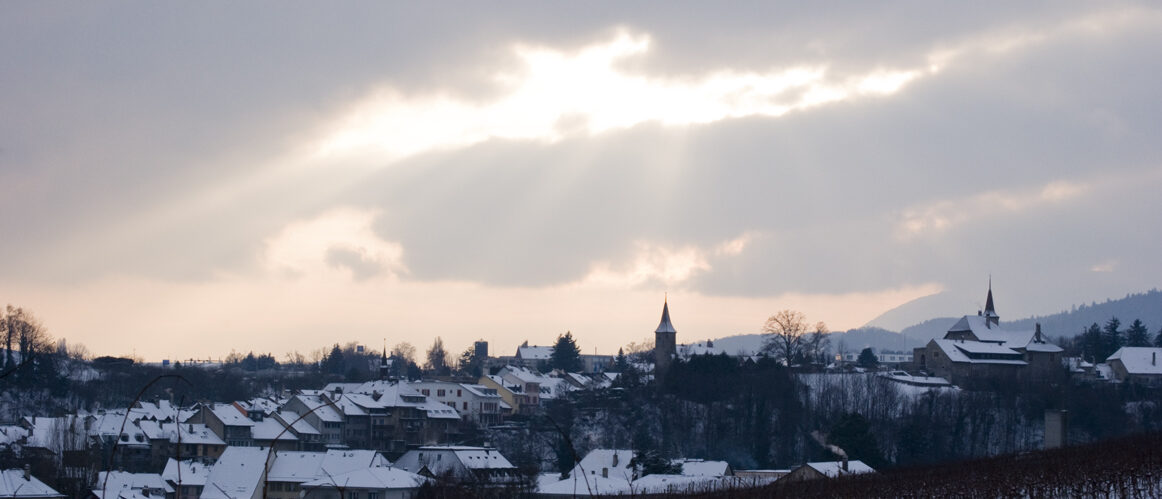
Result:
{"points": [[665, 346]]}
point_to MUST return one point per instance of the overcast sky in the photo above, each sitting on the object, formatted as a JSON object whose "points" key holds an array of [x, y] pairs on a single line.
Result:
{"points": [[179, 179]]}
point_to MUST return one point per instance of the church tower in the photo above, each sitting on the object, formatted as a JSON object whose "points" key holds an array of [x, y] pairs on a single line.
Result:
{"points": [[990, 313], [665, 346]]}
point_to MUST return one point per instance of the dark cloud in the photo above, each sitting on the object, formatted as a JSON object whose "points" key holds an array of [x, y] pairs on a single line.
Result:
{"points": [[123, 113]]}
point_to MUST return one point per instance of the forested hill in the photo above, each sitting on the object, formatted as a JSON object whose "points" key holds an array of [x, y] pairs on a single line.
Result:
{"points": [[1144, 306]]}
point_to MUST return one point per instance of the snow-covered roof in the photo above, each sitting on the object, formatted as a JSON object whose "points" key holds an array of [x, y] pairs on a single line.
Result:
{"points": [[908, 379], [10, 434], [264, 405], [269, 428], [832, 469], [190, 433], [615, 460], [347, 404], [1138, 360], [481, 390], [522, 374], [381, 478], [980, 347], [955, 354], [994, 334], [1043, 346], [295, 466], [300, 426], [342, 387], [230, 415], [699, 467], [534, 352], [163, 410], [186, 472], [552, 388], [437, 410], [45, 432], [443, 459], [13, 484], [236, 474], [586, 485], [127, 485], [320, 408]]}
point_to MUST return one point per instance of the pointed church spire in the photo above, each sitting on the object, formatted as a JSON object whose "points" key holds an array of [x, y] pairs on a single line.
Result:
{"points": [[990, 312], [665, 326]]}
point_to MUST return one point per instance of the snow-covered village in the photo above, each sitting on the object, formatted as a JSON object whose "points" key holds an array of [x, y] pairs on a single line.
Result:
{"points": [[666, 418], [744, 249]]}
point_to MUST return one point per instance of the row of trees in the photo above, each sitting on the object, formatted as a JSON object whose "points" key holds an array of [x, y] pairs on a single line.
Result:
{"points": [[1095, 343]]}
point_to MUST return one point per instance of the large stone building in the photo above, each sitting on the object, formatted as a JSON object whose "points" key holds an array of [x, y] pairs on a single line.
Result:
{"points": [[976, 347]]}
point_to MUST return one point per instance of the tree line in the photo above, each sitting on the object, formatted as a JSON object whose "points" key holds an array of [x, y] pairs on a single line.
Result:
{"points": [[1096, 343]]}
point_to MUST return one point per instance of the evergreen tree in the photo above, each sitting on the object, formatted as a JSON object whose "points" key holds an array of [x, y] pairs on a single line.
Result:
{"points": [[334, 363], [1158, 338], [1137, 335], [867, 358], [621, 363], [1112, 337], [470, 363], [566, 355], [648, 459], [1092, 344]]}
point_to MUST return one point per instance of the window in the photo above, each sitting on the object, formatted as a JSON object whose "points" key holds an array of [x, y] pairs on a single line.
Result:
{"points": [[373, 495], [439, 393], [465, 406], [459, 393], [425, 391]]}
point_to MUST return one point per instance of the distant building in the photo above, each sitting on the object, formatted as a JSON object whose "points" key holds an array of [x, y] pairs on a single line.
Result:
{"points": [[828, 469], [20, 484], [890, 357], [471, 465], [1137, 365], [125, 485], [976, 347]]}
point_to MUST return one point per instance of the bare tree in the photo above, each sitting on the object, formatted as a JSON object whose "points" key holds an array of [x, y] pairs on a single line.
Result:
{"points": [[405, 351], [817, 344], [30, 337], [785, 331], [437, 357]]}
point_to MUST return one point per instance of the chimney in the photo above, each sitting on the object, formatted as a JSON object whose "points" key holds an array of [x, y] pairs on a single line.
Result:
{"points": [[1037, 336], [844, 465], [1154, 358], [614, 459], [27, 472]]}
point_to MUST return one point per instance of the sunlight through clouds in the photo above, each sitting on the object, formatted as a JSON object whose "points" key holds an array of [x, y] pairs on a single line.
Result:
{"points": [[940, 216], [587, 88], [338, 239]]}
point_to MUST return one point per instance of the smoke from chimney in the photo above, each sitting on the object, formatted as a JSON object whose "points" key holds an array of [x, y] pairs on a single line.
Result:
{"points": [[834, 449]]}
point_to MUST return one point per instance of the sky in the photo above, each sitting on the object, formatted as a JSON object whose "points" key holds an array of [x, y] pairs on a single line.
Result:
{"points": [[183, 179]]}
